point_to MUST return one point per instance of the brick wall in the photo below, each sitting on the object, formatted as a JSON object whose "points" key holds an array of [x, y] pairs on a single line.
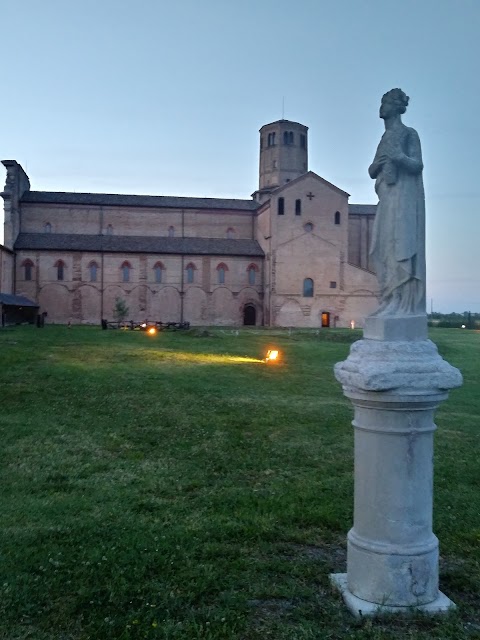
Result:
{"points": [[78, 299]]}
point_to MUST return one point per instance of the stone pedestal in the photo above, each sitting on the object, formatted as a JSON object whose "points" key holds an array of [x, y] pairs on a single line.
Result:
{"points": [[395, 386]]}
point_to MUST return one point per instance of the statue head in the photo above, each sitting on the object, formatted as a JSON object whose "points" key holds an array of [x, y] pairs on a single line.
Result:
{"points": [[394, 102]]}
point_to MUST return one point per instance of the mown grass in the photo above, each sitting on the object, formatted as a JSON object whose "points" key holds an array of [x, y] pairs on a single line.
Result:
{"points": [[175, 487]]}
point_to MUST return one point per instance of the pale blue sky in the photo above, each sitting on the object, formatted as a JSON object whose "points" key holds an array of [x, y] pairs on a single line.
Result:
{"points": [[166, 97]]}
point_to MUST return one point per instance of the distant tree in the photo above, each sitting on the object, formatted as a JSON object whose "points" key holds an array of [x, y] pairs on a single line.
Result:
{"points": [[120, 309], [454, 320]]}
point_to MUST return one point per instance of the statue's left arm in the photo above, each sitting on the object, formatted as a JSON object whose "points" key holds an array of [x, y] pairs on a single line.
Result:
{"points": [[411, 160]]}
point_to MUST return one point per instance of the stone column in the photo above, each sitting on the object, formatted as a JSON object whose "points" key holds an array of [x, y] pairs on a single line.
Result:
{"points": [[395, 379]]}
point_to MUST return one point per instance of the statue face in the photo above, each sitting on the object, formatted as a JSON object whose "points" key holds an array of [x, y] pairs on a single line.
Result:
{"points": [[387, 109]]}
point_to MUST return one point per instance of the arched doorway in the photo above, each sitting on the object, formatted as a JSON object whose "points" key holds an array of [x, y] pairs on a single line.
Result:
{"points": [[249, 315]]}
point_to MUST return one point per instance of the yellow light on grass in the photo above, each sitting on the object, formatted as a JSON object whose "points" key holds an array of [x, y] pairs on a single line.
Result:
{"points": [[152, 331], [272, 356]]}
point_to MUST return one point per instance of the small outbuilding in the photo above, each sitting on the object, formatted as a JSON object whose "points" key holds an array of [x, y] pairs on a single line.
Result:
{"points": [[17, 310]]}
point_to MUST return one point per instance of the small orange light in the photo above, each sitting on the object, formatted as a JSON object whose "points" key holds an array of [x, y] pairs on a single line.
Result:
{"points": [[152, 331], [272, 356]]}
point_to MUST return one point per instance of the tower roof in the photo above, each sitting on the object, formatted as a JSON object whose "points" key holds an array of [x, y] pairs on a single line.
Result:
{"points": [[284, 122]]}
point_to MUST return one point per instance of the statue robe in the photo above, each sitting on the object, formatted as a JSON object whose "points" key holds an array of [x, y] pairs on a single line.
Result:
{"points": [[398, 243]]}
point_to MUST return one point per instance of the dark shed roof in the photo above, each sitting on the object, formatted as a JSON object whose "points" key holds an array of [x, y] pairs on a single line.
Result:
{"points": [[138, 244], [16, 301], [362, 209], [119, 200]]}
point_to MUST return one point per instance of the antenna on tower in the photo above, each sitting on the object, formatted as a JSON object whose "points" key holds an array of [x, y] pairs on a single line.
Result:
{"points": [[283, 107]]}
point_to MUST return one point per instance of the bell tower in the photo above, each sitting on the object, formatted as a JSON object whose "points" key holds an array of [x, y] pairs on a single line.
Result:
{"points": [[283, 155]]}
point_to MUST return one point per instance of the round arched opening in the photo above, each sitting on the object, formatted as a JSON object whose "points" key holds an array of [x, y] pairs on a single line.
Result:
{"points": [[249, 315]]}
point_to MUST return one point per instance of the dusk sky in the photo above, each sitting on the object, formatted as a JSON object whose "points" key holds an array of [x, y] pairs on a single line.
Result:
{"points": [[166, 98]]}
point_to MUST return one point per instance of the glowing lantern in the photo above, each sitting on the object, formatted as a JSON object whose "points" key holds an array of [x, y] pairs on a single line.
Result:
{"points": [[352, 324], [272, 356], [152, 331]]}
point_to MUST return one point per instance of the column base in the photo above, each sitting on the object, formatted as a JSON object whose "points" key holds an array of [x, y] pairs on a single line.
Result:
{"points": [[360, 608]]}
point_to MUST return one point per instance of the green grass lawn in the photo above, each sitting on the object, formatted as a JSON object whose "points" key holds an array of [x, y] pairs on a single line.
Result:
{"points": [[175, 487]]}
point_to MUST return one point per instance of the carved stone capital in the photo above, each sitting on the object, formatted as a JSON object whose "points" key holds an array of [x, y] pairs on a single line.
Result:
{"points": [[402, 367]]}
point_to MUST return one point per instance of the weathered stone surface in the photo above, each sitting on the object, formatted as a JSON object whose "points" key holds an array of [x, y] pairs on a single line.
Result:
{"points": [[392, 553], [360, 608], [398, 241], [411, 367], [396, 328]]}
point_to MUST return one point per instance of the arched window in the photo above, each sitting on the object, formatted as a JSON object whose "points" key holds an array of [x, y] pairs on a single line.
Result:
{"points": [[337, 217], [308, 288], [281, 206], [93, 268], [271, 139], [298, 207], [252, 274], [158, 272], [221, 269], [60, 266], [109, 230], [47, 227], [171, 232], [288, 137], [190, 269], [303, 141], [28, 269], [126, 268], [230, 233]]}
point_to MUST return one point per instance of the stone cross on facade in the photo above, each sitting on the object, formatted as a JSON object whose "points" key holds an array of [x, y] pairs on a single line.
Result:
{"points": [[395, 379], [310, 195]]}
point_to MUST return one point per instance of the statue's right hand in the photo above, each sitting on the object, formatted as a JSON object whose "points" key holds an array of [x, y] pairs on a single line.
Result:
{"points": [[377, 165]]}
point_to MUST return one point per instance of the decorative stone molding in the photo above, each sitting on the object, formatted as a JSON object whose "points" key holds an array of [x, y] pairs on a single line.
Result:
{"points": [[404, 367]]}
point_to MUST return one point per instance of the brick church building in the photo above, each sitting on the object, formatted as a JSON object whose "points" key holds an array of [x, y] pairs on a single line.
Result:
{"points": [[294, 254]]}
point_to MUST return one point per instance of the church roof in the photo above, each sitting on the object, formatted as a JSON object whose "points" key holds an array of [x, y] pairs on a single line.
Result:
{"points": [[125, 200], [138, 244], [308, 174], [362, 209]]}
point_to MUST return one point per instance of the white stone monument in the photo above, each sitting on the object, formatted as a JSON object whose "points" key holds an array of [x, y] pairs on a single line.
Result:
{"points": [[395, 379]]}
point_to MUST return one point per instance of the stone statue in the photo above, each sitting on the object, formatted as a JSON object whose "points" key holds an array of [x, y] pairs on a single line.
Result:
{"points": [[395, 379], [398, 243]]}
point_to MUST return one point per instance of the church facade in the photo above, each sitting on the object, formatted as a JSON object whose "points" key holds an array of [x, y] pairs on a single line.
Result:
{"points": [[294, 254]]}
